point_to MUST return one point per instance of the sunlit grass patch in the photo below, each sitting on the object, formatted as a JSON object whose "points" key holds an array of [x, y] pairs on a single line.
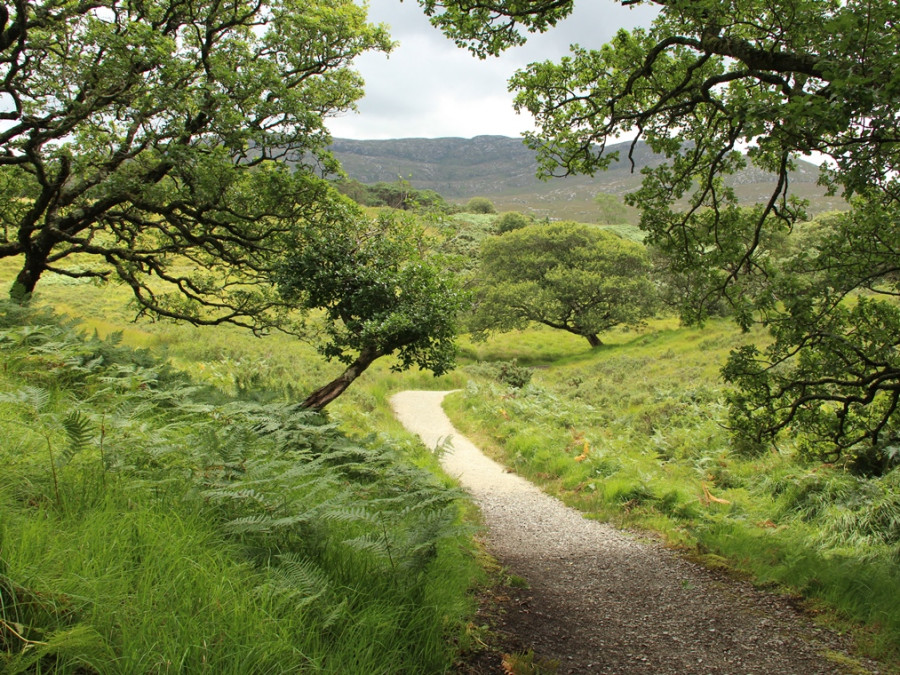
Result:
{"points": [[534, 346]]}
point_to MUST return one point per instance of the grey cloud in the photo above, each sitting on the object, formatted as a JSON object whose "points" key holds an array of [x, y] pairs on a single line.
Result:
{"points": [[429, 87]]}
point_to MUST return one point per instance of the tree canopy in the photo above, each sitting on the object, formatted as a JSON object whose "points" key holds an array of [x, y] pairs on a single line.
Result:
{"points": [[480, 205], [568, 276], [379, 291], [149, 141], [714, 85], [397, 195]]}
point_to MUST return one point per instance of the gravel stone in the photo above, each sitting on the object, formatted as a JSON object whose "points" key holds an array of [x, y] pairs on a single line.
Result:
{"points": [[602, 600]]}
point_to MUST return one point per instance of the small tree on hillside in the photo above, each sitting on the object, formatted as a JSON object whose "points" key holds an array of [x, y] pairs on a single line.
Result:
{"points": [[480, 205], [612, 210], [380, 292], [511, 220], [568, 276]]}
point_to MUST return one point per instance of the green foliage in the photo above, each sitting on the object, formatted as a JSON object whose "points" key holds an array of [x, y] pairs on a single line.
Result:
{"points": [[511, 220], [612, 210], [514, 375], [149, 142], [399, 195], [480, 205], [487, 28], [506, 372], [461, 238], [381, 292], [572, 277], [717, 87], [829, 372], [190, 531], [834, 395]]}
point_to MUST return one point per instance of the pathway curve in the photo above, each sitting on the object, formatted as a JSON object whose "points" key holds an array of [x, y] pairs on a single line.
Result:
{"points": [[602, 601]]}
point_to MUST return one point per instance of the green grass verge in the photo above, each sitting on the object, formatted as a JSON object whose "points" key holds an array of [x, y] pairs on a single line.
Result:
{"points": [[633, 433]]}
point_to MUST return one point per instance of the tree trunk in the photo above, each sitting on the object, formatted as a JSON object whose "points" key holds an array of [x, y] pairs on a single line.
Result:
{"points": [[594, 341], [325, 395], [27, 279]]}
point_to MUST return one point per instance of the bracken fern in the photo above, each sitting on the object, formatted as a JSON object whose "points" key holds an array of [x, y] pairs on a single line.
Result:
{"points": [[320, 549]]}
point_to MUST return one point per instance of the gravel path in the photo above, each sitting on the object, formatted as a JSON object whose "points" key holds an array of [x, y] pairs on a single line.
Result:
{"points": [[603, 601]]}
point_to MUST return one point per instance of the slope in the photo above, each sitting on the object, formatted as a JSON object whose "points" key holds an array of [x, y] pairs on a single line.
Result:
{"points": [[504, 170]]}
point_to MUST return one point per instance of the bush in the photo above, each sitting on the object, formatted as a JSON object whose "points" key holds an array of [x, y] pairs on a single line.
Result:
{"points": [[509, 373], [399, 195], [480, 205], [514, 375], [511, 220]]}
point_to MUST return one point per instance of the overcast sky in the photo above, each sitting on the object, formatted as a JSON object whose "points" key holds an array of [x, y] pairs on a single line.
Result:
{"points": [[430, 88]]}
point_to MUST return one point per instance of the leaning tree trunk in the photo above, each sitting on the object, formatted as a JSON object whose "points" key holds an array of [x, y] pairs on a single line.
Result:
{"points": [[37, 250], [325, 395], [594, 341], [27, 279]]}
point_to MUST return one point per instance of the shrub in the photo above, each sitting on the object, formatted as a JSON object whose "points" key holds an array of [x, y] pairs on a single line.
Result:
{"points": [[480, 205], [511, 220], [514, 375], [509, 373]]}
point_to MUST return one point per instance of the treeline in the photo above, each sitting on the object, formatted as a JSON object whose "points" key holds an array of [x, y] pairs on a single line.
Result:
{"points": [[402, 196]]}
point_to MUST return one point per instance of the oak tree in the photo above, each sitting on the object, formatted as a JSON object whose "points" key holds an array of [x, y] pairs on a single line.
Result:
{"points": [[480, 205], [171, 144], [715, 85], [568, 276], [511, 220], [373, 288], [611, 209]]}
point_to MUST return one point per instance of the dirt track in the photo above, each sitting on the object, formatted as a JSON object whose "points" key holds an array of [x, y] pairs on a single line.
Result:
{"points": [[603, 601]]}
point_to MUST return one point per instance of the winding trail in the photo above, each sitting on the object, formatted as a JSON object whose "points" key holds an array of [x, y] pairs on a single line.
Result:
{"points": [[602, 601]]}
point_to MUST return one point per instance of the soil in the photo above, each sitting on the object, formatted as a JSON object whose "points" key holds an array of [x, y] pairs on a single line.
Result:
{"points": [[588, 598]]}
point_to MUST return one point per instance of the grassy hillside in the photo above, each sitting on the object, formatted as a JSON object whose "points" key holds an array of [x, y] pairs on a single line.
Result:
{"points": [[634, 433], [166, 509], [335, 540]]}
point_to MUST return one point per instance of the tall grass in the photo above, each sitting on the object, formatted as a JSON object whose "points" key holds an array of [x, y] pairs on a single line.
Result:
{"points": [[151, 522], [634, 433]]}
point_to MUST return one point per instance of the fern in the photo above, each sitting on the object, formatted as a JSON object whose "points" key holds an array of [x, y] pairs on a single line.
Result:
{"points": [[374, 543], [263, 524], [348, 514], [432, 500], [33, 399], [79, 648], [241, 494], [80, 434], [422, 540], [302, 575]]}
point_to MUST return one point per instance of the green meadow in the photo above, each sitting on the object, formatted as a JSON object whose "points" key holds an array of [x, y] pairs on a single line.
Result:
{"points": [[165, 508], [168, 510], [635, 433]]}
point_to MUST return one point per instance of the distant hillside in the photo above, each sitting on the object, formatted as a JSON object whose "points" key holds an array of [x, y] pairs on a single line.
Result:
{"points": [[503, 169]]}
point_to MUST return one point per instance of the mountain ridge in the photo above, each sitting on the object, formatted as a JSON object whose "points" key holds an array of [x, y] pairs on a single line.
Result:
{"points": [[503, 169]]}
